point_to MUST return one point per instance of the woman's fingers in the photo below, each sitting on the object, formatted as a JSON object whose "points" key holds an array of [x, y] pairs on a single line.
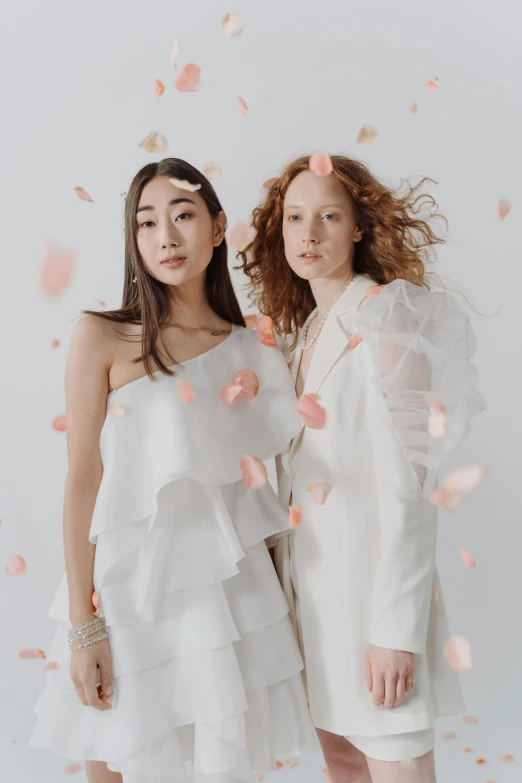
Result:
{"points": [[401, 688], [390, 691], [378, 690], [369, 679]]}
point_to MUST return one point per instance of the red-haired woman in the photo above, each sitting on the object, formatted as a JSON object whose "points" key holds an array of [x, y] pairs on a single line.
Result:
{"points": [[382, 365]]}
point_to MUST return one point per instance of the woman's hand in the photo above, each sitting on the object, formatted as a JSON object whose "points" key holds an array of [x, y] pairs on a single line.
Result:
{"points": [[84, 671], [389, 675]]}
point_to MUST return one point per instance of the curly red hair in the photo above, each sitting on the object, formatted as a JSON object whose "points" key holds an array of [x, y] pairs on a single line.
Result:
{"points": [[398, 240]]}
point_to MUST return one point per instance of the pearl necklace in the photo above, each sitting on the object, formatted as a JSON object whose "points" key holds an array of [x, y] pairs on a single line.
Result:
{"points": [[318, 330]]}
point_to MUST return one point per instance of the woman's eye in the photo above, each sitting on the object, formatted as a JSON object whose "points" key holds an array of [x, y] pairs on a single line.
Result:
{"points": [[183, 215], [330, 215], [146, 224], [291, 218]]}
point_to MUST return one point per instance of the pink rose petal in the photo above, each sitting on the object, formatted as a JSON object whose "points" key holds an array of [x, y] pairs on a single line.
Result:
{"points": [[458, 653], [54, 343], [52, 666], [229, 393], [290, 763], [312, 414], [269, 182], [81, 193], [469, 720], [295, 515], [56, 270], [433, 84], [279, 764], [240, 236], [319, 491], [321, 164], [373, 291], [448, 735], [62, 423], [232, 25], [212, 171], [72, 768], [259, 776], [183, 184], [159, 88], [174, 51], [16, 566], [507, 757], [413, 107], [248, 381], [436, 594], [354, 340], [186, 392], [503, 208], [465, 479], [265, 330], [467, 559], [243, 108], [29, 655], [444, 498], [188, 78], [365, 134], [253, 471], [437, 419], [154, 142]]}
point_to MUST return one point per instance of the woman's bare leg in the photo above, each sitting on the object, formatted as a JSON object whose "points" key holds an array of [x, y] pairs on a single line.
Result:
{"points": [[346, 764], [97, 772], [421, 770]]}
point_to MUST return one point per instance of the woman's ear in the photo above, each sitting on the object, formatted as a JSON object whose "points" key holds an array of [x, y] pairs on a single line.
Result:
{"points": [[220, 226], [358, 235]]}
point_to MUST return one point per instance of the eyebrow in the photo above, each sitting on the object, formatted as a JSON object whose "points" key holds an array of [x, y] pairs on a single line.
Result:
{"points": [[171, 204], [323, 206]]}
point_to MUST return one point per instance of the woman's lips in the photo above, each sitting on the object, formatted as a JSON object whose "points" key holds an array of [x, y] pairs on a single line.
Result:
{"points": [[175, 262]]}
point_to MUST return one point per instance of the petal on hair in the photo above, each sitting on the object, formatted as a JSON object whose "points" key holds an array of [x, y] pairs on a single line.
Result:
{"points": [[503, 208], [54, 343], [312, 414], [467, 559], [239, 236], [174, 51], [159, 88], [154, 142], [29, 655], [319, 491], [212, 171], [250, 321], [270, 182], [186, 392], [61, 423], [249, 382], [444, 498], [188, 79], [413, 107], [433, 84], [72, 768], [232, 25], [265, 330], [465, 479], [373, 291], [365, 134], [458, 653], [56, 270], [81, 193], [321, 164], [253, 471], [16, 566], [183, 184], [354, 340], [52, 666], [295, 515], [243, 108], [229, 393]]}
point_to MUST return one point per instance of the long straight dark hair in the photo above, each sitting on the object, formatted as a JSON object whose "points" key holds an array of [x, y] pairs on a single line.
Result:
{"points": [[146, 302]]}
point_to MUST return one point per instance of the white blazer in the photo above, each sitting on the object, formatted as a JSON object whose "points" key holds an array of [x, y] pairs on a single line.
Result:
{"points": [[360, 568]]}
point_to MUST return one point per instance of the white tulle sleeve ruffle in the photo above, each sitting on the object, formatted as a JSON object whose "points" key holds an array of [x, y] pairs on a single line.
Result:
{"points": [[420, 343]]}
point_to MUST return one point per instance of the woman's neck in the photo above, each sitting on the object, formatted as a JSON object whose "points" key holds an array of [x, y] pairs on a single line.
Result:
{"points": [[326, 291]]}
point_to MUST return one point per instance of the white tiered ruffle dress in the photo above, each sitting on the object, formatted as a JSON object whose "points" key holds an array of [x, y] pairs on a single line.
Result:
{"points": [[206, 666]]}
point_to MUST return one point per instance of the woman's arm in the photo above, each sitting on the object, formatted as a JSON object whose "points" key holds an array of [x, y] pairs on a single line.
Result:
{"points": [[86, 389]]}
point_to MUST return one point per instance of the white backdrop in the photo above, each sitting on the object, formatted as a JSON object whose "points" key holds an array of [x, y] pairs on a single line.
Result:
{"points": [[77, 96]]}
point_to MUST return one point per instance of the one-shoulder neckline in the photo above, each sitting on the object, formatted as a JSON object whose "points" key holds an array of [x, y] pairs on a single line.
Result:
{"points": [[234, 330]]}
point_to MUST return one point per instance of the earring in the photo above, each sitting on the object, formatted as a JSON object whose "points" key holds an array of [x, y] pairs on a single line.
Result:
{"points": [[134, 279]]}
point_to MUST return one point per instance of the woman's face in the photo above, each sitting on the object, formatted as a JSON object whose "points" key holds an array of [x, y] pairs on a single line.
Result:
{"points": [[175, 232], [319, 229]]}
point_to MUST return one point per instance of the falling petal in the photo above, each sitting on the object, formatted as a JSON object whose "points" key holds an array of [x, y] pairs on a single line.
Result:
{"points": [[101, 302], [365, 134], [259, 776], [448, 735], [229, 393], [265, 330], [458, 653], [295, 516], [186, 392], [212, 171], [469, 720], [29, 655], [445, 499], [413, 107], [467, 559], [436, 594], [61, 423], [507, 757], [232, 25], [312, 414], [248, 382], [468, 750], [373, 291], [56, 270], [54, 343], [433, 84], [503, 208], [437, 419], [279, 764], [270, 182], [154, 142], [174, 52], [243, 108], [354, 340], [16, 566], [250, 321], [320, 164], [72, 768], [290, 763], [159, 88], [253, 471], [188, 79], [184, 185], [52, 666], [81, 193], [465, 479], [480, 761], [240, 236], [319, 491]]}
